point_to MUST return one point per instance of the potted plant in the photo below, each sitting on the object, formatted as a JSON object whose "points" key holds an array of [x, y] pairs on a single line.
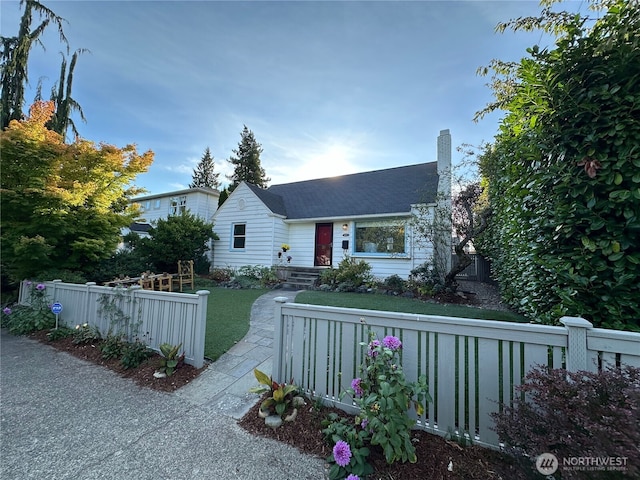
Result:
{"points": [[283, 399]]}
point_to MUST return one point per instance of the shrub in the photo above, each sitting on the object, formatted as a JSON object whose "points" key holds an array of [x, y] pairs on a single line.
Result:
{"points": [[25, 319], [349, 275], [134, 354], [220, 275], [581, 414], [395, 284], [86, 334]]}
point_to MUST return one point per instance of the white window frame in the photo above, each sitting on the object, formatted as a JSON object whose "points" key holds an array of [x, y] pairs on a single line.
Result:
{"points": [[235, 235]]}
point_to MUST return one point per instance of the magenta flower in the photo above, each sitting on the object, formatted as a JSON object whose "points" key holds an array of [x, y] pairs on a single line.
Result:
{"points": [[355, 384], [6, 311], [392, 342], [342, 453], [40, 286], [353, 477]]}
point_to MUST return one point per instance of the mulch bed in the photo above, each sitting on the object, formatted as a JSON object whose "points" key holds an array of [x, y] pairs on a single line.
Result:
{"points": [[143, 375], [434, 453]]}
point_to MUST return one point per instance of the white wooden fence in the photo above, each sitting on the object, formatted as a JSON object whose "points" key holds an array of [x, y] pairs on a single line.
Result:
{"points": [[470, 365], [160, 317]]}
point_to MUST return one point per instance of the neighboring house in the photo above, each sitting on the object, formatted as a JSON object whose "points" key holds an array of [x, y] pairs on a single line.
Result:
{"points": [[365, 216], [201, 202]]}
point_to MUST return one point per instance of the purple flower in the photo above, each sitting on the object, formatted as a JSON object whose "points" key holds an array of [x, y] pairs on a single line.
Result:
{"points": [[373, 344], [353, 477], [40, 286], [342, 453], [355, 384], [6, 311], [28, 283], [392, 342], [364, 423]]}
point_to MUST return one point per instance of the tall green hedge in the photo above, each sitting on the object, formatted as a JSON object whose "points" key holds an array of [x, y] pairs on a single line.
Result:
{"points": [[564, 175]]}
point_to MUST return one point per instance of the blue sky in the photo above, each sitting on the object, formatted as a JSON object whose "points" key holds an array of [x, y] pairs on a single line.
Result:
{"points": [[328, 88]]}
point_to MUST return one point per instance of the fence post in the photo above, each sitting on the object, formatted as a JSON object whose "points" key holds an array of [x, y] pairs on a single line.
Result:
{"points": [[576, 342], [55, 289], [277, 369], [201, 325]]}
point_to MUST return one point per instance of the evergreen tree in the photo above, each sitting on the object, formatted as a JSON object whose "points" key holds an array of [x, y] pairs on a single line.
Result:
{"points": [[203, 174], [14, 58], [61, 96], [224, 194], [246, 162]]}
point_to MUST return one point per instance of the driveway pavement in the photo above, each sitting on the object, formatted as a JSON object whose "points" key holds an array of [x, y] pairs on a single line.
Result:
{"points": [[63, 418]]}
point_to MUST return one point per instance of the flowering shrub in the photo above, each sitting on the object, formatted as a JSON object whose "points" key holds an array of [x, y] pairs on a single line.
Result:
{"points": [[575, 415], [24, 319], [384, 397]]}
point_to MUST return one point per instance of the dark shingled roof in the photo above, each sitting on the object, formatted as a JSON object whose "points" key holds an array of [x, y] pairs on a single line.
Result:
{"points": [[392, 190]]}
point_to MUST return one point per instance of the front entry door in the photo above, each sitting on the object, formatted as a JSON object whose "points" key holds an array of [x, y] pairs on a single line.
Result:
{"points": [[324, 244]]}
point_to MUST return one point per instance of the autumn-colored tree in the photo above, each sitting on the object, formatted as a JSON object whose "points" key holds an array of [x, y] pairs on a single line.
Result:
{"points": [[63, 205]]}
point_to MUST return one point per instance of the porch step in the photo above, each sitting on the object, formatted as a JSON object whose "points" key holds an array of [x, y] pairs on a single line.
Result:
{"points": [[302, 278]]}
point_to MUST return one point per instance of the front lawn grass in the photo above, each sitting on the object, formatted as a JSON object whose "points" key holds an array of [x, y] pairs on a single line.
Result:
{"points": [[228, 315], [400, 304]]}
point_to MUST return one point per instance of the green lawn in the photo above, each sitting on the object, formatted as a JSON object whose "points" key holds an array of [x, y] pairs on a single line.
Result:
{"points": [[228, 315], [229, 311], [401, 304]]}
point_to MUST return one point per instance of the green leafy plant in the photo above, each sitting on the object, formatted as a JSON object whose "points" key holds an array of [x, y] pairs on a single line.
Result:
{"points": [[112, 347], [135, 354], [349, 275], [86, 333], [384, 397], [25, 319], [338, 428], [59, 333], [280, 394], [170, 359]]}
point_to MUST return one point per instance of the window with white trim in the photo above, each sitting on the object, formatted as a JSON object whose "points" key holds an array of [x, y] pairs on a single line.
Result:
{"points": [[178, 205], [381, 237], [239, 236]]}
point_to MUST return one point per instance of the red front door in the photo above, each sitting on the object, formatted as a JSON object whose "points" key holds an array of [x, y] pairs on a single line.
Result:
{"points": [[324, 244]]}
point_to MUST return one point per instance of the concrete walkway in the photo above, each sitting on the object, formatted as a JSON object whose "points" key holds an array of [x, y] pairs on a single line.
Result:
{"points": [[63, 418], [224, 386]]}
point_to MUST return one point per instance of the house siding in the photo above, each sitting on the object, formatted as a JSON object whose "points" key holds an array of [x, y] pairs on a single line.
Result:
{"points": [[200, 204], [262, 231]]}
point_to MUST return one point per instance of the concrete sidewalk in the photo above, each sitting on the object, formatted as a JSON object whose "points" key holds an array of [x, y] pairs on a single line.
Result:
{"points": [[63, 418]]}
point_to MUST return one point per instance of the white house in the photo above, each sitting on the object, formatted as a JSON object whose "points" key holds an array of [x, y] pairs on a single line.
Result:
{"points": [[201, 202], [364, 215]]}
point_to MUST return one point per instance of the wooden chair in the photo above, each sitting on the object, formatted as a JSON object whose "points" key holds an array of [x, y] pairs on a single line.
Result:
{"points": [[185, 274], [165, 282], [146, 281]]}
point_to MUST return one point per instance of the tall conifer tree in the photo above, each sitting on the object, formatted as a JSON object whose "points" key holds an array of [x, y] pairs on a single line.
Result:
{"points": [[246, 162], [14, 58], [204, 174]]}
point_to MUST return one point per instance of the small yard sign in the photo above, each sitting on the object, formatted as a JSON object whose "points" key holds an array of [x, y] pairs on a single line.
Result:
{"points": [[56, 308]]}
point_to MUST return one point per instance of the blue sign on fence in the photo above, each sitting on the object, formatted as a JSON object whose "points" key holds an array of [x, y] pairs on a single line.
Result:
{"points": [[56, 308]]}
